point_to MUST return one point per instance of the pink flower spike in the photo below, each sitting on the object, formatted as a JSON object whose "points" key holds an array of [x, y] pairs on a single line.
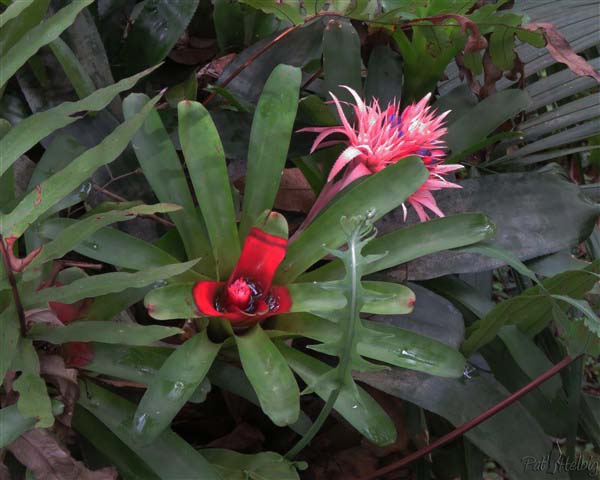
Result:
{"points": [[378, 137]]}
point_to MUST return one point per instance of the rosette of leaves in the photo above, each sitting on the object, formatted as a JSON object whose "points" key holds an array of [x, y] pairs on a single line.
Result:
{"points": [[211, 231]]}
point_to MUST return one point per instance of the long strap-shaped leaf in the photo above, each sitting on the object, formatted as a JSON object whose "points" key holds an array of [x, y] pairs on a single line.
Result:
{"points": [[173, 385], [270, 376], [9, 336], [47, 193], [102, 284], [269, 142], [382, 192], [159, 161], [408, 243], [205, 160], [71, 236], [36, 127], [13, 11], [37, 37], [169, 456]]}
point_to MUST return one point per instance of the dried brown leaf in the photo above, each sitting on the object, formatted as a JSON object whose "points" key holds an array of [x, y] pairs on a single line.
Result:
{"points": [[41, 453], [295, 194], [561, 51], [53, 368]]}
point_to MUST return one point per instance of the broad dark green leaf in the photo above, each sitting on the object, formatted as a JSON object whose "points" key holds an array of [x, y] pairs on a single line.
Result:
{"points": [[122, 333], [162, 168], [205, 160], [384, 77], [270, 376], [37, 37], [49, 192], [297, 48], [564, 217], [38, 126], [353, 403], [342, 66], [173, 385], [484, 118], [269, 142], [154, 32], [508, 437], [414, 241], [385, 191], [169, 456]]}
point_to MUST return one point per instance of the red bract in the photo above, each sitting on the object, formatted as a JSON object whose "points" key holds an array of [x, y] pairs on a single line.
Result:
{"points": [[75, 354], [248, 296]]}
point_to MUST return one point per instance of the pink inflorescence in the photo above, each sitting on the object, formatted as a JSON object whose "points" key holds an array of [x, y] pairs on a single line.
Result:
{"points": [[378, 138]]}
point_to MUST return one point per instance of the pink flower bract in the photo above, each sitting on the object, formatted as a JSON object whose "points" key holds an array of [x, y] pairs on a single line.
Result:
{"points": [[378, 138]]}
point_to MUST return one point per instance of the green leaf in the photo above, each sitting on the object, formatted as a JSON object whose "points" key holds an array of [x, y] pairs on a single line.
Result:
{"points": [[36, 127], [380, 297], [284, 10], [13, 424], [9, 336], [76, 73], [49, 192], [270, 376], [130, 466], [122, 333], [154, 32], [58, 155], [169, 456], [205, 160], [353, 403], [162, 168], [173, 385], [408, 243], [116, 248], [531, 311], [269, 142], [13, 11], [384, 77], [228, 19], [382, 342], [493, 250], [530, 358], [342, 66], [33, 396], [71, 236], [234, 380], [175, 301], [592, 320], [37, 37], [382, 192], [106, 283], [260, 466], [484, 118], [502, 44]]}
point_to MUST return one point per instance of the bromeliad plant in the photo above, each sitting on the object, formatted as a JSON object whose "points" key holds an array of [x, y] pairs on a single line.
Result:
{"points": [[247, 288]]}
